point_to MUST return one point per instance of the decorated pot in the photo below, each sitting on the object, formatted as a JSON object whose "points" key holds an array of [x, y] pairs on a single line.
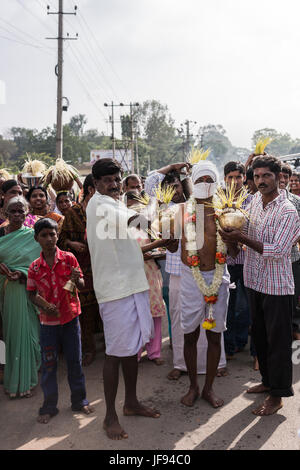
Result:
{"points": [[232, 218]]}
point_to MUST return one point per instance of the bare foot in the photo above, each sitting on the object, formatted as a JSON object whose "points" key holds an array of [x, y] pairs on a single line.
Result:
{"points": [[212, 399], [88, 358], [174, 374], [44, 419], [87, 409], [140, 410], [223, 372], [270, 406], [255, 363], [114, 430], [158, 361], [191, 396], [28, 394], [258, 389]]}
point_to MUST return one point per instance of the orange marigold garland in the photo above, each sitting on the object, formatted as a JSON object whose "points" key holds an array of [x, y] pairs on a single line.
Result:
{"points": [[211, 291]]}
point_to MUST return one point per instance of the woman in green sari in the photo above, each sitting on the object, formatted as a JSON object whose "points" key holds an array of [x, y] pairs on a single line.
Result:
{"points": [[18, 250]]}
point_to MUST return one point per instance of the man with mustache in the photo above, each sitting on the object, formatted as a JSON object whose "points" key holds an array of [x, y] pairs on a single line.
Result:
{"points": [[273, 228], [122, 291]]}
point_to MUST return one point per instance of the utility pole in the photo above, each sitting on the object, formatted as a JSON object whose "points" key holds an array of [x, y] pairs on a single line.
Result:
{"points": [[112, 120], [187, 136], [59, 73], [131, 106]]}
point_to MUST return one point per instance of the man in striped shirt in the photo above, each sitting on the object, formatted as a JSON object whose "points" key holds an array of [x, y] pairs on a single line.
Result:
{"points": [[272, 230]]}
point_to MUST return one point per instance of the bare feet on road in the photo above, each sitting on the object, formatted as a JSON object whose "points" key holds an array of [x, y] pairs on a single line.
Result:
{"points": [[258, 389], [114, 430], [174, 374], [211, 398], [270, 406], [140, 410], [191, 396]]}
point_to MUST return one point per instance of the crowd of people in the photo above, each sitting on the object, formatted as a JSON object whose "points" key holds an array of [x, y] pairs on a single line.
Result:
{"points": [[67, 273]]}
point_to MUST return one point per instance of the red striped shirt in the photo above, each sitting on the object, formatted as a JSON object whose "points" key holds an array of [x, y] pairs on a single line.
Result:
{"points": [[277, 226]]}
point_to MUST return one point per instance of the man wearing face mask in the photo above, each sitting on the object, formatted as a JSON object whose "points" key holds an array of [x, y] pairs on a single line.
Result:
{"points": [[193, 306]]}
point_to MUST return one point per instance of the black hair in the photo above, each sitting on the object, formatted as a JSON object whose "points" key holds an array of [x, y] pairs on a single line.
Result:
{"points": [[171, 178], [7, 185], [44, 223], [285, 168], [234, 166], [62, 193], [89, 181], [133, 175], [106, 166], [41, 188], [273, 163], [249, 174]]}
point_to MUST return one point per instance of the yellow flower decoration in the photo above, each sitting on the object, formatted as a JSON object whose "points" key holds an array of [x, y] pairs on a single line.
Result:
{"points": [[197, 155], [261, 145], [164, 195], [208, 325]]}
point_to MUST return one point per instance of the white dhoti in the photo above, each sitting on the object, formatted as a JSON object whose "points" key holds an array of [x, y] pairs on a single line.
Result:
{"points": [[194, 309], [127, 324], [177, 331]]}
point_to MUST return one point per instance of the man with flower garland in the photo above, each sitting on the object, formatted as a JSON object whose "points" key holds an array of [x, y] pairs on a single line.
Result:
{"points": [[272, 230], [204, 282]]}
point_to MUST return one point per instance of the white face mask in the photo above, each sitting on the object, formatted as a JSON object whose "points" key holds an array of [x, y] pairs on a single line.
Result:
{"points": [[204, 190]]}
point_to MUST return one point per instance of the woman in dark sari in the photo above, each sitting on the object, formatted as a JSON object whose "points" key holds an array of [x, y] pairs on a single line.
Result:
{"points": [[72, 238]]}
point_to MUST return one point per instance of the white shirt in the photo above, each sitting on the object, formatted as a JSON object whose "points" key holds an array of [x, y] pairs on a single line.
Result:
{"points": [[117, 259]]}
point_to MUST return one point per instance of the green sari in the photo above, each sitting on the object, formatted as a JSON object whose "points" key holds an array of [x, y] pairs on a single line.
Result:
{"points": [[20, 317]]}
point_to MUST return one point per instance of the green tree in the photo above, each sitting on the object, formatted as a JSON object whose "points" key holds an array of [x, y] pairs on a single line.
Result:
{"points": [[280, 144], [156, 127], [77, 124]]}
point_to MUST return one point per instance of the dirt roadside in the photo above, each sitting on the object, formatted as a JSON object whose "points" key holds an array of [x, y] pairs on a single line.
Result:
{"points": [[179, 428]]}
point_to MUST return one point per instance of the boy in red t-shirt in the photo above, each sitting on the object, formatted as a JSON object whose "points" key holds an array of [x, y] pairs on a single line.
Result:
{"points": [[59, 311]]}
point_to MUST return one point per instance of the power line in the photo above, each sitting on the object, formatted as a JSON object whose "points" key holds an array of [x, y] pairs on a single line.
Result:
{"points": [[83, 83], [96, 42], [22, 42], [20, 31], [82, 61], [35, 16], [94, 64], [95, 60]]}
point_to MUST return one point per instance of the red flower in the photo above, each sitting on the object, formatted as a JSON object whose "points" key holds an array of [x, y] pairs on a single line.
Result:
{"points": [[211, 299], [220, 258]]}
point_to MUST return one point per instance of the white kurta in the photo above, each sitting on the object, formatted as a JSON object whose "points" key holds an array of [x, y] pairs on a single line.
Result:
{"points": [[119, 278], [117, 260]]}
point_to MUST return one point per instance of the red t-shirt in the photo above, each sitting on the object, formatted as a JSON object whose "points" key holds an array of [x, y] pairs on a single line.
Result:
{"points": [[49, 282]]}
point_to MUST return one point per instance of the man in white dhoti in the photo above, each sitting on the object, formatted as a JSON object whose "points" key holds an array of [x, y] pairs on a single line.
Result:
{"points": [[122, 291], [204, 286]]}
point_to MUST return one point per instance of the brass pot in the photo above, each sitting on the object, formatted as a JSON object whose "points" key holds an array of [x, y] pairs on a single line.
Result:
{"points": [[233, 219]]}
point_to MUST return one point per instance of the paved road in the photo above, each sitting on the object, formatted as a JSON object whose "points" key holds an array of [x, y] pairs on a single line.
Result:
{"points": [[231, 427]]}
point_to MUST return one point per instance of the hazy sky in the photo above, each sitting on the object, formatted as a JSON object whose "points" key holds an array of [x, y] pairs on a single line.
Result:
{"points": [[229, 62]]}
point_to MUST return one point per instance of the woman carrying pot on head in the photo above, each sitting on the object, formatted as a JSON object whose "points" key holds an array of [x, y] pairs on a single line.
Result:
{"points": [[39, 206]]}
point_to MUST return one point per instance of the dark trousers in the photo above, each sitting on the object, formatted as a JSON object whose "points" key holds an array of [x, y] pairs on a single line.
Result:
{"points": [[67, 336], [296, 309], [272, 336], [238, 316]]}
